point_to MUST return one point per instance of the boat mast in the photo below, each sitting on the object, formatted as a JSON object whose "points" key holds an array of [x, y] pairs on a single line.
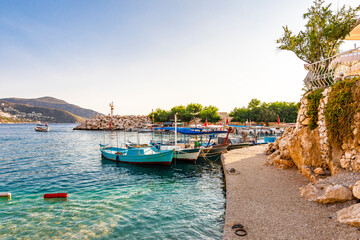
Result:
{"points": [[175, 130], [138, 137], [117, 140]]}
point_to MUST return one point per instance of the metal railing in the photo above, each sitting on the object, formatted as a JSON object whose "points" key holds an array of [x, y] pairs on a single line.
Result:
{"points": [[331, 70]]}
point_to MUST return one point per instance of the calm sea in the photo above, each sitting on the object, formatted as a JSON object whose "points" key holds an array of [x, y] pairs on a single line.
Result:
{"points": [[105, 200]]}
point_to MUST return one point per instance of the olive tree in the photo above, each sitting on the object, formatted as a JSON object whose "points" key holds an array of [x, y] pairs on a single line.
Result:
{"points": [[324, 32]]}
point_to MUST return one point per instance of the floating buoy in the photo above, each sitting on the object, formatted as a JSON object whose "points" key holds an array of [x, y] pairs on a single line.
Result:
{"points": [[55, 195], [5, 194]]}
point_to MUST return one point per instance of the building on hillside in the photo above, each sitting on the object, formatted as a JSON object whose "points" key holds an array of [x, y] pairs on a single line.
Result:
{"points": [[224, 116]]}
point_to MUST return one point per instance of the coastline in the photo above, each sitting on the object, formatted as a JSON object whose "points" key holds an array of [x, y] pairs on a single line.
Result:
{"points": [[267, 202]]}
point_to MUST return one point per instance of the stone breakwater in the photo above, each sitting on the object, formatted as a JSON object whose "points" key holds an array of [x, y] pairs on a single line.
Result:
{"points": [[334, 172], [128, 122]]}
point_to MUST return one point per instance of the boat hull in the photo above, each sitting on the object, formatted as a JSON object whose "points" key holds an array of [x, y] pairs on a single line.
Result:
{"points": [[188, 155], [214, 150], [42, 129], [220, 148], [157, 158], [239, 145]]}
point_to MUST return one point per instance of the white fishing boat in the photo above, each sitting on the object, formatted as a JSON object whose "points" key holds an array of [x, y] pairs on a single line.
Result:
{"points": [[42, 127]]}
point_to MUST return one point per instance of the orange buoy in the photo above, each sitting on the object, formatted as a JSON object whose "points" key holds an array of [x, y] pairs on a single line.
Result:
{"points": [[55, 195]]}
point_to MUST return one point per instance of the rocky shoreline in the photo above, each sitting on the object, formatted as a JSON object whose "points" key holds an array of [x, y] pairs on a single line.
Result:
{"points": [[116, 122]]}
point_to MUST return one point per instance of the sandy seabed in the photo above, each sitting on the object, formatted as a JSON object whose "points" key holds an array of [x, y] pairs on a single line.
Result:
{"points": [[267, 202]]}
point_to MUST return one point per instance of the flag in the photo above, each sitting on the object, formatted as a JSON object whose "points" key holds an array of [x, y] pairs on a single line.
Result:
{"points": [[278, 120], [227, 121], [110, 125], [205, 124], [221, 127]]}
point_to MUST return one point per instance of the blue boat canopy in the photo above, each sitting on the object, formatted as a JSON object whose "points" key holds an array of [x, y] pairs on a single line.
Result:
{"points": [[190, 131]]}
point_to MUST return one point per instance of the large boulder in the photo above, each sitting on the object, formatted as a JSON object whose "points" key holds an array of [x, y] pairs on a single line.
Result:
{"points": [[350, 215], [304, 147], [323, 193], [356, 190]]}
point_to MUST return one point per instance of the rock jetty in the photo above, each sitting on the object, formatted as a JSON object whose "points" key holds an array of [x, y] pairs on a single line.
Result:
{"points": [[128, 122]]}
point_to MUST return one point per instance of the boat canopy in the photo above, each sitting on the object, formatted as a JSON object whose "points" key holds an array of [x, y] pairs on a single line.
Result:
{"points": [[190, 131]]}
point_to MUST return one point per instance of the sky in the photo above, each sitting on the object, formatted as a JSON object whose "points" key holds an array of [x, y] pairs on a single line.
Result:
{"points": [[143, 54]]}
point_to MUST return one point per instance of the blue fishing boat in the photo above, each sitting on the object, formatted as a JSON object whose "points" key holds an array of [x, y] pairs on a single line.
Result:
{"points": [[146, 155], [186, 150]]}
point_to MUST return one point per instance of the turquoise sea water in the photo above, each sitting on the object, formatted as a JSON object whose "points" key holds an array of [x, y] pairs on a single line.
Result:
{"points": [[105, 200]]}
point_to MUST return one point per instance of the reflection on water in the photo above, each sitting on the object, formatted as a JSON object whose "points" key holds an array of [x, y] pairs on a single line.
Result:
{"points": [[106, 200]]}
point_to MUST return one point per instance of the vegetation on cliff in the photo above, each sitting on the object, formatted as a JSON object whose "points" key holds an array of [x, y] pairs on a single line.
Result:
{"points": [[342, 105], [323, 32], [265, 112], [314, 98]]}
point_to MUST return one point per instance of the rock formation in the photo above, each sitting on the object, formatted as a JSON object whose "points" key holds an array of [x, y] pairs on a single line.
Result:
{"points": [[350, 215], [332, 167], [101, 122], [310, 149], [323, 193]]}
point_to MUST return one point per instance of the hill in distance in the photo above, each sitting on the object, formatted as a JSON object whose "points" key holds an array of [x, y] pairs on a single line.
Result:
{"points": [[50, 102], [32, 113]]}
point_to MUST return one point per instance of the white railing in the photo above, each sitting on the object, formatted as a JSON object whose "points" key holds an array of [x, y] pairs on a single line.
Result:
{"points": [[326, 72]]}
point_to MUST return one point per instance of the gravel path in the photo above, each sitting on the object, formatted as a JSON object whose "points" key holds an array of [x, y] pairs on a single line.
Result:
{"points": [[267, 201]]}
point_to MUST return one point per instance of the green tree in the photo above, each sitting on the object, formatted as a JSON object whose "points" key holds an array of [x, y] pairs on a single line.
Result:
{"points": [[180, 110], [160, 115], [265, 112], [210, 113], [323, 34], [287, 111], [254, 103], [240, 114], [192, 111]]}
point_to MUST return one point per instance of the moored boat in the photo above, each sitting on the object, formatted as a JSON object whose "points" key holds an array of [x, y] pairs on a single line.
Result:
{"points": [[42, 128], [147, 155], [183, 154]]}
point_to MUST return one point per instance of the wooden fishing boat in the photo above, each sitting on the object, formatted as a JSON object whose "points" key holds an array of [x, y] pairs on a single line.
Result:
{"points": [[190, 151], [183, 154], [42, 128], [147, 155]]}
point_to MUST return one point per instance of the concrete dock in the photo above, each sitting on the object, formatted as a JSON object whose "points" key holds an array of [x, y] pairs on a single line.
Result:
{"points": [[267, 202]]}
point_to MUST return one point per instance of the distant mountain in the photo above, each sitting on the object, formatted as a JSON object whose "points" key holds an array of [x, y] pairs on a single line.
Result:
{"points": [[50, 102], [43, 114]]}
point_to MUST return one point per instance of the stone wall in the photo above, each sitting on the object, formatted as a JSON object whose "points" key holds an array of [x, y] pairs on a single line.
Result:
{"points": [[310, 150], [101, 122]]}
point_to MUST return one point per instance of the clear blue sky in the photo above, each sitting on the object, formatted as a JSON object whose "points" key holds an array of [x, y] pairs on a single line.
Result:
{"points": [[145, 54]]}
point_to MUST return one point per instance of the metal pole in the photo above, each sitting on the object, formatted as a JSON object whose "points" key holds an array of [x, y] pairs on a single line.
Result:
{"points": [[117, 140], [175, 130], [138, 137]]}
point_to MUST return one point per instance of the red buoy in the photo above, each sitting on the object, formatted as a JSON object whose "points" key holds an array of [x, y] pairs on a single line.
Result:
{"points": [[55, 195]]}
